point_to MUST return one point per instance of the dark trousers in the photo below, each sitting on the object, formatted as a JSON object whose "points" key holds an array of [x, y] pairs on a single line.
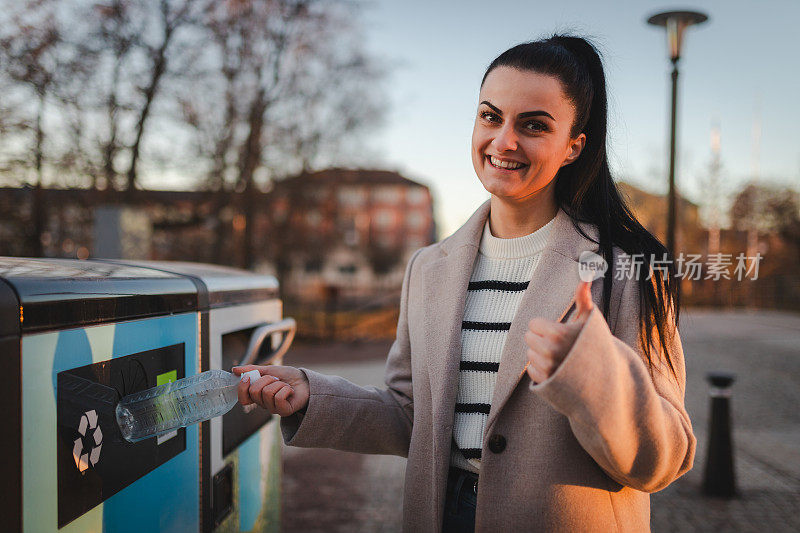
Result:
{"points": [[460, 502]]}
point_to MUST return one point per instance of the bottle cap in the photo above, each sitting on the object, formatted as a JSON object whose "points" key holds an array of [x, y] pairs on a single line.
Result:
{"points": [[253, 375]]}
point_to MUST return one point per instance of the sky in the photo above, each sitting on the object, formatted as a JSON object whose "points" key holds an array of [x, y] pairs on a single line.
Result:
{"points": [[737, 70]]}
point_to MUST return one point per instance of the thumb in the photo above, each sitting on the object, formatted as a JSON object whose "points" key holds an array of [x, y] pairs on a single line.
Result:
{"points": [[583, 301]]}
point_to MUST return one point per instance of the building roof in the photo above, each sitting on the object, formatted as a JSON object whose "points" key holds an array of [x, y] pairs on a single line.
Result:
{"points": [[94, 196], [635, 193], [353, 176], [332, 176]]}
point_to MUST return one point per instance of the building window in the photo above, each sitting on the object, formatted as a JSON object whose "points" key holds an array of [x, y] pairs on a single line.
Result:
{"points": [[384, 218], [417, 196], [348, 269], [415, 220], [387, 195], [314, 265], [319, 194], [351, 196], [313, 218], [347, 227]]}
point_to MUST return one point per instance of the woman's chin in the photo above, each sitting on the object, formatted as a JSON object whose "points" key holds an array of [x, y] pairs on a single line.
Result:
{"points": [[513, 189], [499, 188]]}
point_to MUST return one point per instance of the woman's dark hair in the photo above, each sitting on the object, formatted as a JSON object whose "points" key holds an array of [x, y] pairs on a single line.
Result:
{"points": [[585, 188]]}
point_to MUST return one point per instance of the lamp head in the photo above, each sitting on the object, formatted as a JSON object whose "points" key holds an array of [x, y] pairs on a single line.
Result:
{"points": [[676, 23]]}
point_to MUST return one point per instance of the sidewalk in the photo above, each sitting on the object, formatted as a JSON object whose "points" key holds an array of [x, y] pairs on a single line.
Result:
{"points": [[325, 490]]}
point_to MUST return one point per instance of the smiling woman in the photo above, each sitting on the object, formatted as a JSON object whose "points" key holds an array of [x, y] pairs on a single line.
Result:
{"points": [[524, 397], [520, 140]]}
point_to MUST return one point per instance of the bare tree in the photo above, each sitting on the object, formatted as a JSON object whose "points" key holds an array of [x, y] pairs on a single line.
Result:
{"points": [[173, 14], [29, 51], [769, 208], [294, 88], [117, 34]]}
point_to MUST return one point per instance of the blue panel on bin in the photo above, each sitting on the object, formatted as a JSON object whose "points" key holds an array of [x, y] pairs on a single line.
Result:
{"points": [[164, 500], [249, 482], [167, 498], [72, 350]]}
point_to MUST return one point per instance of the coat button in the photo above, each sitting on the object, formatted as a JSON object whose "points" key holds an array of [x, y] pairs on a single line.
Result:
{"points": [[497, 443]]}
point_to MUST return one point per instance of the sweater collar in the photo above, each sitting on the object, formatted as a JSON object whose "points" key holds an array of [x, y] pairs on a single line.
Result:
{"points": [[563, 237], [517, 247]]}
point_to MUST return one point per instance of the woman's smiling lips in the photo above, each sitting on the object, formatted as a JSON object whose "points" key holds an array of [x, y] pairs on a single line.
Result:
{"points": [[504, 164]]}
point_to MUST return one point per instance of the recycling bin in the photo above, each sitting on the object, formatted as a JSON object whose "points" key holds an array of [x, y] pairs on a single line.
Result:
{"points": [[75, 337]]}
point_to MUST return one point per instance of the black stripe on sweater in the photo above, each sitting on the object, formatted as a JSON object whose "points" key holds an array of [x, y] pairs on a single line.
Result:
{"points": [[497, 285], [471, 453], [479, 366], [486, 326], [473, 408]]}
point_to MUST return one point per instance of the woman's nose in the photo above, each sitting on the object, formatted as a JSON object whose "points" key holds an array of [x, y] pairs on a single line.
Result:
{"points": [[505, 140]]}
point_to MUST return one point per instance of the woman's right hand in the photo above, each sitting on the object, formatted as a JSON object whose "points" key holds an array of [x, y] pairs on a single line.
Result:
{"points": [[281, 390]]}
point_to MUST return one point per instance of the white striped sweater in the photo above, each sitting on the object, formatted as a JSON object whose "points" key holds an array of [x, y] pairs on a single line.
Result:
{"points": [[503, 268]]}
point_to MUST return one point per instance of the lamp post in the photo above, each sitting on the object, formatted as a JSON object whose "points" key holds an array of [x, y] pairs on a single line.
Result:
{"points": [[675, 23]]}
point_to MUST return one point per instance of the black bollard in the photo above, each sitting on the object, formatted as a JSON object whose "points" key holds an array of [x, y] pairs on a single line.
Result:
{"points": [[719, 478]]}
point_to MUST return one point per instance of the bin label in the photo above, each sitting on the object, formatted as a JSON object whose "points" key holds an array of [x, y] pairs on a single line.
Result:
{"points": [[87, 447], [166, 377], [161, 379]]}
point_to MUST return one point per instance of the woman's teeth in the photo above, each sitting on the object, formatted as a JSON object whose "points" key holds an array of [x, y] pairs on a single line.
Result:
{"points": [[508, 165]]}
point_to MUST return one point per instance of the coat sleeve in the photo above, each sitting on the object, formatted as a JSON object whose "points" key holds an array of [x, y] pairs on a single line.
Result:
{"points": [[634, 425], [345, 416]]}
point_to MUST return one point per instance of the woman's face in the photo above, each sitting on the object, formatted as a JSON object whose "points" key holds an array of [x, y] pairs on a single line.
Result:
{"points": [[521, 135]]}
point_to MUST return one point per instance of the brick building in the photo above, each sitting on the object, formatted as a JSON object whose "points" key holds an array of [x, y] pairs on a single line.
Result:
{"points": [[347, 230], [350, 231]]}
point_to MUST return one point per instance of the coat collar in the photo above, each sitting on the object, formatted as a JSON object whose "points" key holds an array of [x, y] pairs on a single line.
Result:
{"points": [[550, 294], [563, 239]]}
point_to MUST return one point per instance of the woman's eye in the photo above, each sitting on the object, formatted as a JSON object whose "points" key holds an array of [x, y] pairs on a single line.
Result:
{"points": [[535, 126], [491, 117]]}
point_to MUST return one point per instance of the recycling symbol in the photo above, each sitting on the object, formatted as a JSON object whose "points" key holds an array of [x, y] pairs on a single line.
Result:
{"points": [[88, 427]]}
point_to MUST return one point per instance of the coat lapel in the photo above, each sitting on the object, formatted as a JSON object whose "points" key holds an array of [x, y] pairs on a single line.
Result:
{"points": [[445, 281], [445, 284], [550, 295]]}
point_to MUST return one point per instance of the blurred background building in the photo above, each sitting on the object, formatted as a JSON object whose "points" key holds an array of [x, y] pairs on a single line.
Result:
{"points": [[773, 211], [347, 232]]}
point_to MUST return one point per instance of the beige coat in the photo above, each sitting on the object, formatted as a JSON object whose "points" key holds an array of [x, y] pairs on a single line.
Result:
{"points": [[583, 449]]}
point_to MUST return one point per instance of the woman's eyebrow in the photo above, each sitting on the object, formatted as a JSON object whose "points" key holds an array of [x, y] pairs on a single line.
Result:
{"points": [[535, 114], [526, 114]]}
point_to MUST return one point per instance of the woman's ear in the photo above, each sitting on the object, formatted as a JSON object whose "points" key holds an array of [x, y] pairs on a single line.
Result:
{"points": [[575, 147]]}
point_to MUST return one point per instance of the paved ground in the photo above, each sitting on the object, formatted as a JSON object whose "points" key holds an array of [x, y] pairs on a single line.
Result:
{"points": [[333, 491], [325, 490], [763, 349]]}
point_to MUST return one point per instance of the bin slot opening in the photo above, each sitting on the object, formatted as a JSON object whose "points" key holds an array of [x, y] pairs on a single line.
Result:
{"points": [[238, 426]]}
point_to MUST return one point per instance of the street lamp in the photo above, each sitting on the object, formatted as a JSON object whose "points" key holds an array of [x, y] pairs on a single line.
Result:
{"points": [[675, 23]]}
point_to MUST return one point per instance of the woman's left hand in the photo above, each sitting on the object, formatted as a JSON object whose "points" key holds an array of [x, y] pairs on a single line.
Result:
{"points": [[549, 342]]}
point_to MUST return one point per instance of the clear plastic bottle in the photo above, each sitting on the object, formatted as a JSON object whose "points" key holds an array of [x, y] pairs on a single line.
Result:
{"points": [[184, 402]]}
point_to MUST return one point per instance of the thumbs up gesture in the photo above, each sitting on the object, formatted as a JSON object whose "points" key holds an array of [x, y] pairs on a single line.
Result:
{"points": [[549, 342]]}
